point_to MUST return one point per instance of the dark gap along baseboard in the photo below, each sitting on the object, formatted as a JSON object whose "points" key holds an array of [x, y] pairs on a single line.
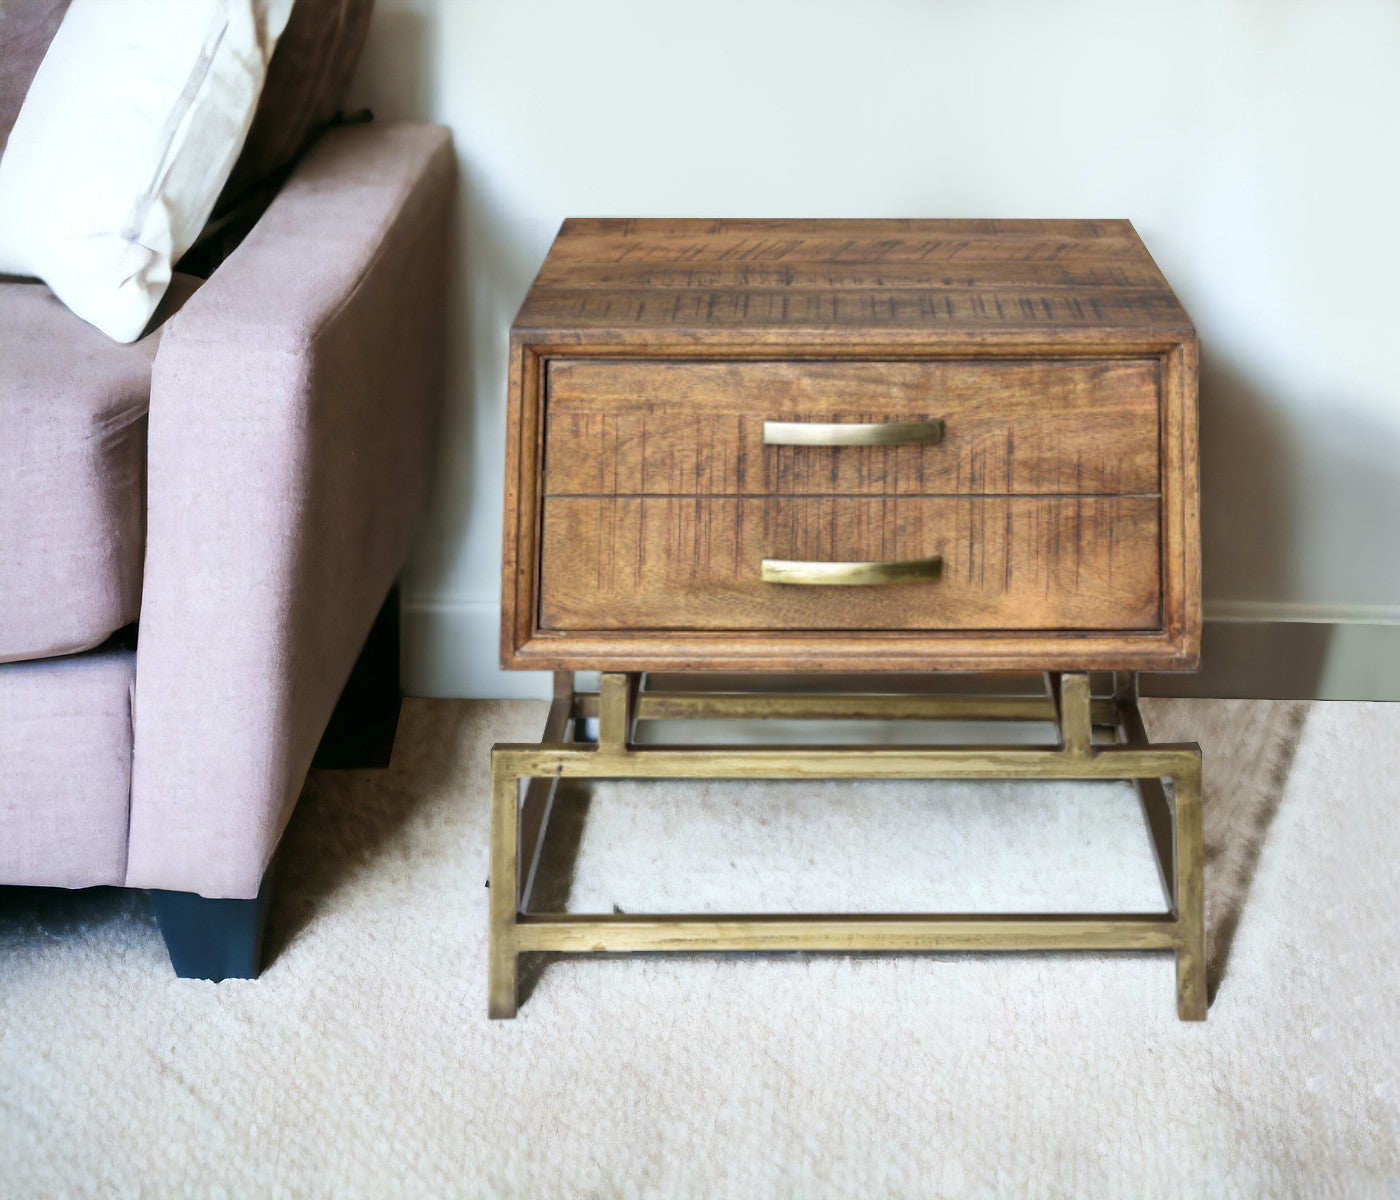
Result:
{"points": [[1244, 660]]}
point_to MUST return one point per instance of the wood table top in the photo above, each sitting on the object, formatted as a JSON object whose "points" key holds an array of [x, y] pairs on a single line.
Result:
{"points": [[835, 281]]}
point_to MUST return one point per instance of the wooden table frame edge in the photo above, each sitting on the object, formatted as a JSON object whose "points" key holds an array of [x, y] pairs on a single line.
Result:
{"points": [[518, 823], [1175, 646]]}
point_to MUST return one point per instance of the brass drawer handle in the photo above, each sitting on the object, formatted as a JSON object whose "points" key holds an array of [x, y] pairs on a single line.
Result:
{"points": [[851, 574], [881, 433]]}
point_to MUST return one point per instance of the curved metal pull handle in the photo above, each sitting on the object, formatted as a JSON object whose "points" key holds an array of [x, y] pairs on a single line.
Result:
{"points": [[881, 433], [851, 574]]}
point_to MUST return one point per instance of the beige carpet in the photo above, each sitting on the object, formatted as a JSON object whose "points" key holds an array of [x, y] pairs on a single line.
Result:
{"points": [[362, 1064]]}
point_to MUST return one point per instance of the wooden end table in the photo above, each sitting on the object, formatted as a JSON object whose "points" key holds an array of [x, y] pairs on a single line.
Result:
{"points": [[902, 447]]}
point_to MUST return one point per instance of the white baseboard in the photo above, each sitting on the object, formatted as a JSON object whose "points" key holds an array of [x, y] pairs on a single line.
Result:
{"points": [[1293, 612], [1295, 659], [451, 648], [1335, 652]]}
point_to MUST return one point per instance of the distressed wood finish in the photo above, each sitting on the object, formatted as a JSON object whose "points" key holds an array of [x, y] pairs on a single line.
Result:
{"points": [[1050, 524], [648, 353], [853, 281], [696, 428], [1027, 563]]}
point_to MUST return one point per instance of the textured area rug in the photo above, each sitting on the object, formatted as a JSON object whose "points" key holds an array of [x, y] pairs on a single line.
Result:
{"points": [[362, 1063]]}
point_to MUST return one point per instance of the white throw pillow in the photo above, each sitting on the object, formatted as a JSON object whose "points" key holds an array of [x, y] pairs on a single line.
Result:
{"points": [[125, 138]]}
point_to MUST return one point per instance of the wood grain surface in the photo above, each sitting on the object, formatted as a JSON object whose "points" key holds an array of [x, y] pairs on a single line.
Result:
{"points": [[667, 563], [640, 498], [770, 279], [696, 428]]}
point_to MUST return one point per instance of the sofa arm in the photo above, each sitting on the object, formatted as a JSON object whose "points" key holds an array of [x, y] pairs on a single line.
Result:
{"points": [[293, 410]]}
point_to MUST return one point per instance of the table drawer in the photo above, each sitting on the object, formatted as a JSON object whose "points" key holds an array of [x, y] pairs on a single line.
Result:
{"points": [[697, 563], [1030, 426]]}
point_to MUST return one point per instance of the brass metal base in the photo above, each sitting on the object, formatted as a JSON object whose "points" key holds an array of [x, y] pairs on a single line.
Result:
{"points": [[518, 822]]}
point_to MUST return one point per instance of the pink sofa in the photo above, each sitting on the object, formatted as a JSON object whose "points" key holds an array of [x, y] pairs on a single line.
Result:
{"points": [[198, 530]]}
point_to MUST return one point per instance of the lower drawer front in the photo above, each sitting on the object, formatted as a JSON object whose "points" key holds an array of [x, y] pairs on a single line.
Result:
{"points": [[1014, 563]]}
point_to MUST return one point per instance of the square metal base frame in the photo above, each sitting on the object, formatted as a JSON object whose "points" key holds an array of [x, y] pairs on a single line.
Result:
{"points": [[1173, 816]]}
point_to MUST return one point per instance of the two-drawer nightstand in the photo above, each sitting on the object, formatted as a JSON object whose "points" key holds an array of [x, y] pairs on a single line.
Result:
{"points": [[850, 446]]}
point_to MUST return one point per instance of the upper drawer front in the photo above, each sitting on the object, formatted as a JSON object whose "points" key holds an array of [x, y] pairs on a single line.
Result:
{"points": [[684, 428]]}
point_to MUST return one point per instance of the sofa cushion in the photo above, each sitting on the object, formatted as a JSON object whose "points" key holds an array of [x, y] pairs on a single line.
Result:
{"points": [[65, 769], [72, 474]]}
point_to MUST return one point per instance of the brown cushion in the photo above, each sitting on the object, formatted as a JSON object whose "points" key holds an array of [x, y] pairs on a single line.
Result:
{"points": [[26, 29], [306, 83]]}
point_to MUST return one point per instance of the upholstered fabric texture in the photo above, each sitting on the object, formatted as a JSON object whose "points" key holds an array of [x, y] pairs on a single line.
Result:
{"points": [[26, 29], [72, 474], [306, 82], [293, 409], [65, 769]]}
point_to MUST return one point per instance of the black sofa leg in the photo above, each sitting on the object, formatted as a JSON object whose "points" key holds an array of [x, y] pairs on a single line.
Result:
{"points": [[366, 718], [214, 939]]}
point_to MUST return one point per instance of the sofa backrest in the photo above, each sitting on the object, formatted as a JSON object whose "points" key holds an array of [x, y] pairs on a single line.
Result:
{"points": [[306, 82]]}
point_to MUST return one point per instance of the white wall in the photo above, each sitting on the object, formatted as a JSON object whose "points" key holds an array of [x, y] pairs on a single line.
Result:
{"points": [[1255, 144]]}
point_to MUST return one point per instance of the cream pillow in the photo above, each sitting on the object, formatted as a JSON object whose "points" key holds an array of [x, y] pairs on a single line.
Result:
{"points": [[124, 140]]}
